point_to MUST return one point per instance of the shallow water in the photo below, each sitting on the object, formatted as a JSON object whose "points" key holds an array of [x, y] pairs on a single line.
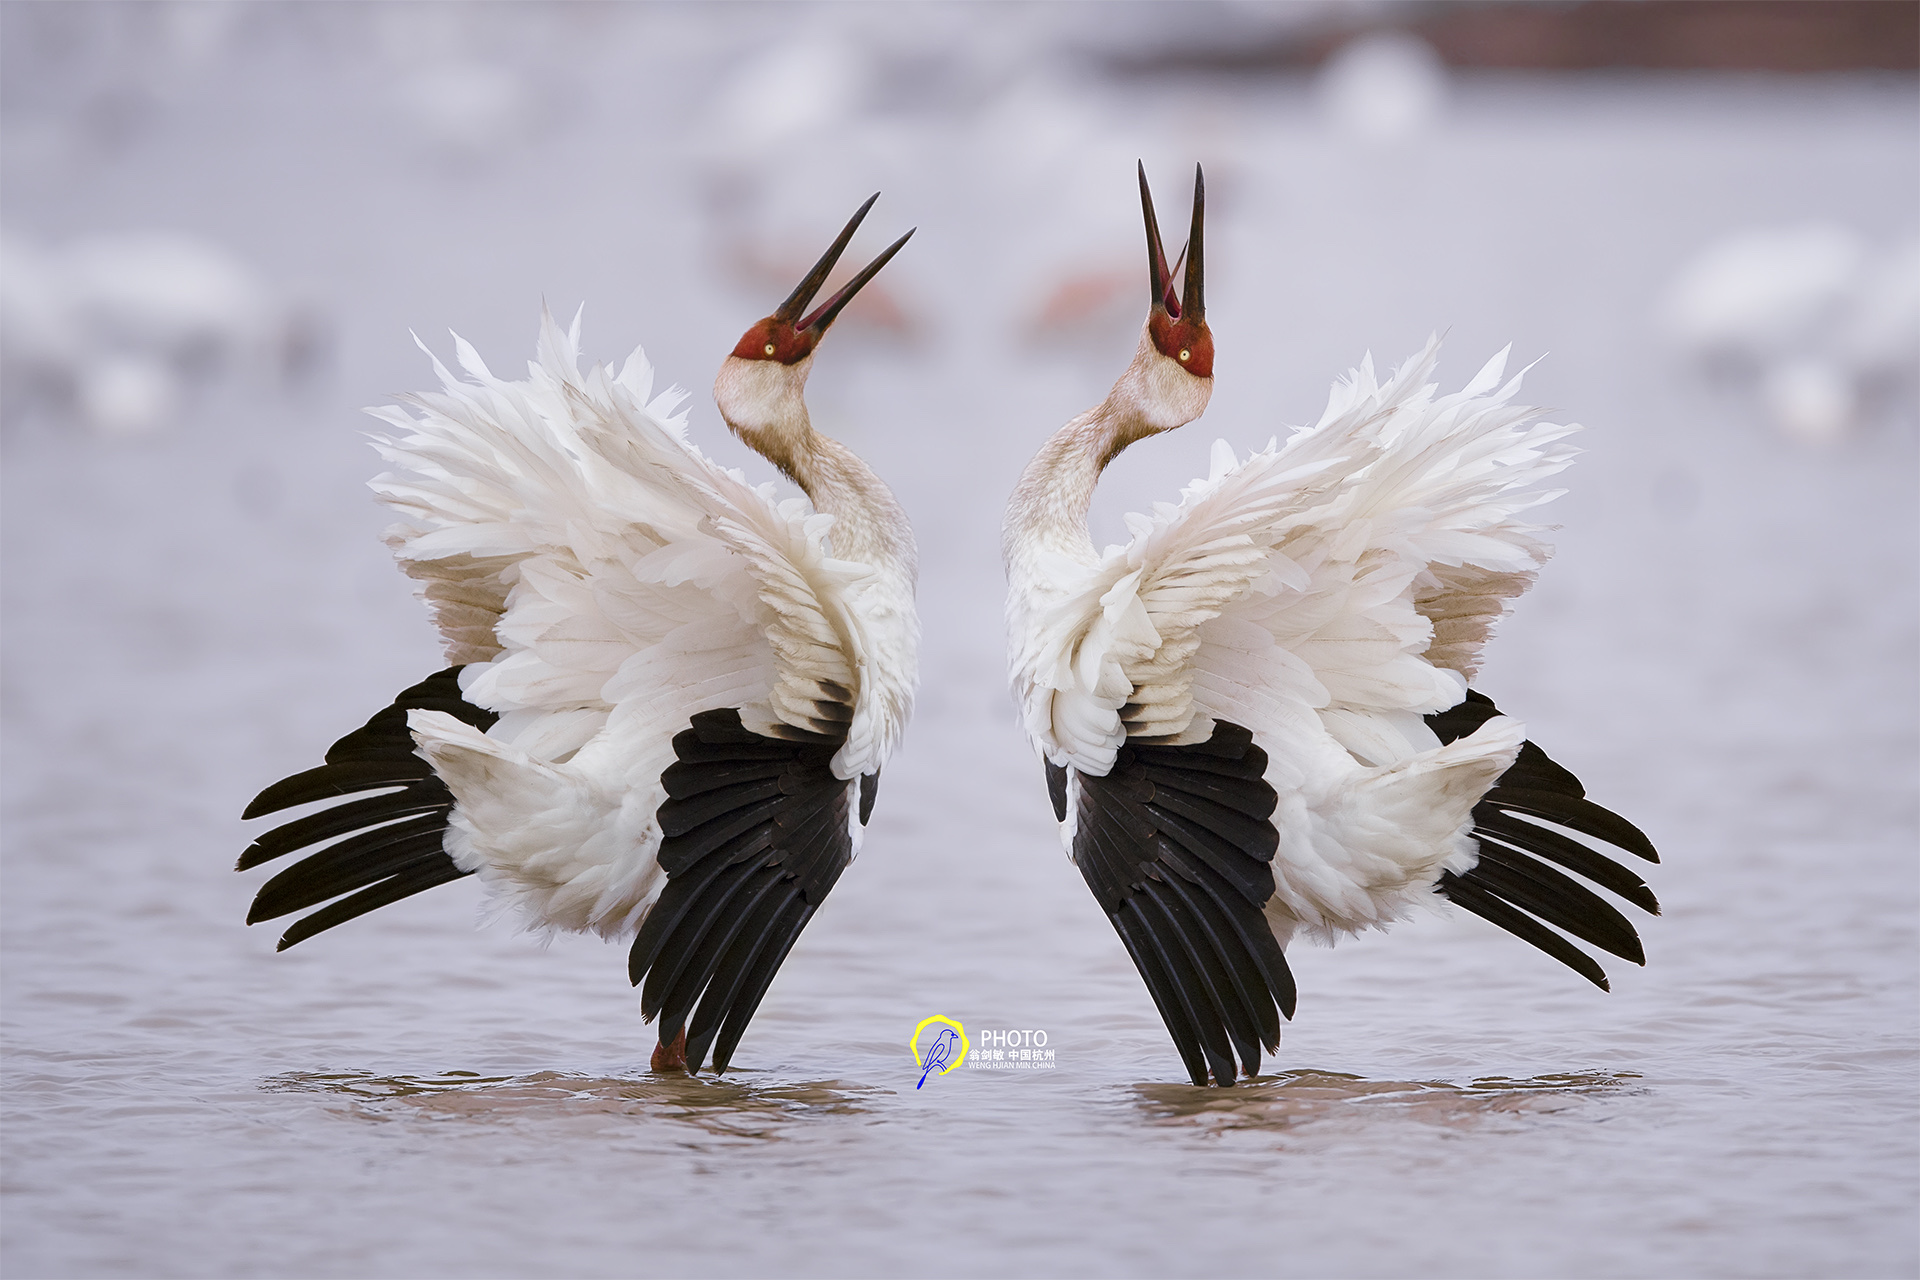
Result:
{"points": [[1723, 651]]}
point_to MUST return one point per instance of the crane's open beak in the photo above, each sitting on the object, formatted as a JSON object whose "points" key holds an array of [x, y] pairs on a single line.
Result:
{"points": [[1191, 304], [824, 315]]}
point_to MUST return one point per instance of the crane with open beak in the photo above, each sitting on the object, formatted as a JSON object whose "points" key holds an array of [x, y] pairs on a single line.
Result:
{"points": [[668, 697], [1255, 718]]}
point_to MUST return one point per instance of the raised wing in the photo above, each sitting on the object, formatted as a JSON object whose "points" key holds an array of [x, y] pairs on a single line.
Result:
{"points": [[1464, 467], [568, 517], [1375, 548], [1392, 580]]}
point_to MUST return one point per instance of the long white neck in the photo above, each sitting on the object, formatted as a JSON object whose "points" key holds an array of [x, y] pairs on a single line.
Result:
{"points": [[1048, 510], [869, 525], [764, 404]]}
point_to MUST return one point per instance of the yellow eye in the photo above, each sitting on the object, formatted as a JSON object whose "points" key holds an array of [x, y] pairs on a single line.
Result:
{"points": [[1185, 353], [770, 350]]}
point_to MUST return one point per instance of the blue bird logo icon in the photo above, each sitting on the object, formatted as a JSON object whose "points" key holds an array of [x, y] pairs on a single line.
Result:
{"points": [[938, 1055]]}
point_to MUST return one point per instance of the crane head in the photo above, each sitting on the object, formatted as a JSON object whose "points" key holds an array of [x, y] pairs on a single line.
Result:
{"points": [[1178, 324], [788, 337]]}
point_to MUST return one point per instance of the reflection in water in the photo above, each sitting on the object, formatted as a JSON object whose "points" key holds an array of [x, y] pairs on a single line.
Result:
{"points": [[726, 1108], [1289, 1099]]}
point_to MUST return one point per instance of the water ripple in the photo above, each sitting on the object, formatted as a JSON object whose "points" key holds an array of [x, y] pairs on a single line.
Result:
{"points": [[1291, 1099], [725, 1108]]}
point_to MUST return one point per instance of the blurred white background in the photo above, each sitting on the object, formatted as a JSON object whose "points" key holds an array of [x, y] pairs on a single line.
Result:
{"points": [[219, 223]]}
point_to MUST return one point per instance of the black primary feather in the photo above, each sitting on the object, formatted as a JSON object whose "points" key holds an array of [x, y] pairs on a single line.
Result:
{"points": [[1177, 845], [393, 845], [1512, 884], [757, 831], [1057, 790]]}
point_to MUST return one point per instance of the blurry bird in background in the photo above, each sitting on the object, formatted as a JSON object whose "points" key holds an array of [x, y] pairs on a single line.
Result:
{"points": [[117, 332], [1081, 300], [1383, 87], [1255, 718], [1822, 327], [670, 696]]}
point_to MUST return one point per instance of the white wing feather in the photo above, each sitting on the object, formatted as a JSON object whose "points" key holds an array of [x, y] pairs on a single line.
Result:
{"points": [[605, 581]]}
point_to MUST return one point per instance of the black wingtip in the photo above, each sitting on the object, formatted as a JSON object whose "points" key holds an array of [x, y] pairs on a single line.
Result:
{"points": [[1177, 843], [757, 833], [1576, 814], [1555, 898], [1528, 819], [1057, 790], [404, 884], [377, 847], [1480, 902], [1492, 827], [336, 781]]}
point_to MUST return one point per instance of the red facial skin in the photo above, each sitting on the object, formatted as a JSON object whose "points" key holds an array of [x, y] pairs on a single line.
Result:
{"points": [[1188, 341], [776, 339]]}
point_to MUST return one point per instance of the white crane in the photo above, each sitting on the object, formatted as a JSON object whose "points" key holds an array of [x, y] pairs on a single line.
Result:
{"points": [[671, 695], [1255, 716]]}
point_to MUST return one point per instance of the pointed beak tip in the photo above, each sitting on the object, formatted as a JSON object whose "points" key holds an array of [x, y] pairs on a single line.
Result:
{"points": [[1159, 278], [797, 301], [1192, 296], [828, 311]]}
